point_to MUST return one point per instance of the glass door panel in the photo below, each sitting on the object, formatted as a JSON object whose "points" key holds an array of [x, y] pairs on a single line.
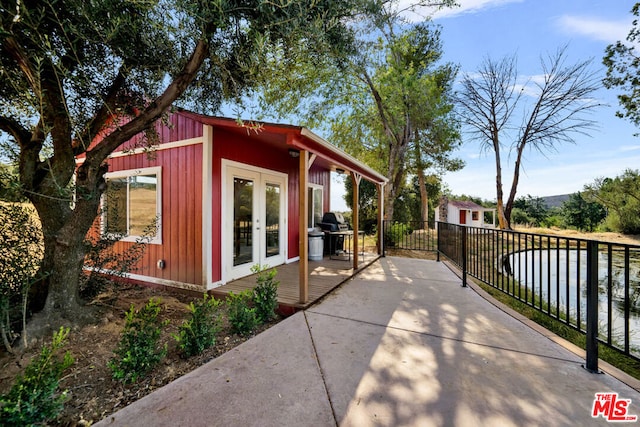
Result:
{"points": [[272, 220], [243, 213], [254, 222]]}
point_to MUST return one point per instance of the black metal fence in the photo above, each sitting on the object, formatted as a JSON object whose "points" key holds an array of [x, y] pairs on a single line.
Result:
{"points": [[590, 286], [412, 235]]}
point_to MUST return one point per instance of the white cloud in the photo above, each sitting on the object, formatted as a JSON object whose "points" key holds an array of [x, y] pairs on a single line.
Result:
{"points": [[472, 6], [595, 28], [465, 6], [626, 148]]}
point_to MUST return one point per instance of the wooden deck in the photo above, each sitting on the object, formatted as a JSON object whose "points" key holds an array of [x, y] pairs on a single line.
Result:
{"points": [[324, 276]]}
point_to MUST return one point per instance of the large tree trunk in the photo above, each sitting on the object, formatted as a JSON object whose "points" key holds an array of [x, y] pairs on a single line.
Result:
{"points": [[63, 298], [389, 197], [65, 231], [50, 224], [514, 185], [424, 199], [503, 221], [395, 173]]}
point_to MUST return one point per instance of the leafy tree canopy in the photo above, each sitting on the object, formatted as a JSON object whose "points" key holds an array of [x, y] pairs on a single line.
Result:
{"points": [[534, 208], [623, 67], [75, 70], [621, 198], [388, 103], [582, 214]]}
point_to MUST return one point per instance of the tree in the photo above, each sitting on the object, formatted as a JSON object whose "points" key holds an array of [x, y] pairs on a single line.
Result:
{"points": [[582, 214], [429, 188], [9, 185], [80, 78], [389, 103], [621, 198], [623, 67], [367, 204], [411, 111], [492, 98], [534, 208]]}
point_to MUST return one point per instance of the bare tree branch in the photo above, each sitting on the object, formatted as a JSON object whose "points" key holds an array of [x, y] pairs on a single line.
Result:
{"points": [[15, 129], [491, 99]]}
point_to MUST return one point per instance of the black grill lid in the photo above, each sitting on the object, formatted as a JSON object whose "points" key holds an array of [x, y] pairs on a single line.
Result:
{"points": [[333, 218]]}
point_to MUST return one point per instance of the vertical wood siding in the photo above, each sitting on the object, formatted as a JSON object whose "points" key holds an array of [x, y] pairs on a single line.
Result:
{"points": [[182, 239], [239, 148], [245, 150], [181, 247]]}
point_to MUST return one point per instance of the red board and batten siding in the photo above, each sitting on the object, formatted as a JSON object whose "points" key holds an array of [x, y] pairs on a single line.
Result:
{"points": [[243, 149], [182, 181], [181, 247]]}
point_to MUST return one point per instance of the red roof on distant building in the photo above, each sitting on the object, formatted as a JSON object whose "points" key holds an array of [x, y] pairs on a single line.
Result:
{"points": [[466, 204]]}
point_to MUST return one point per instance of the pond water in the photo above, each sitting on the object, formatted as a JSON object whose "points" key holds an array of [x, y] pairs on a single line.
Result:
{"points": [[546, 273]]}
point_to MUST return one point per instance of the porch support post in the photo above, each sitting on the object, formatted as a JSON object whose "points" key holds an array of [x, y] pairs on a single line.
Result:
{"points": [[303, 240], [355, 179], [207, 206], [380, 188]]}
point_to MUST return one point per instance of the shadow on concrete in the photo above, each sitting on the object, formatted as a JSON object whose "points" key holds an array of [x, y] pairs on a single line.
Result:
{"points": [[405, 344], [402, 344]]}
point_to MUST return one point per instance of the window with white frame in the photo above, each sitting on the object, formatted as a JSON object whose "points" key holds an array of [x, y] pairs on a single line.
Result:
{"points": [[132, 204], [314, 216]]}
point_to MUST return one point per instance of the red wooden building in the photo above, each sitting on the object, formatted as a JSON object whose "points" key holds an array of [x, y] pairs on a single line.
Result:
{"points": [[226, 196]]}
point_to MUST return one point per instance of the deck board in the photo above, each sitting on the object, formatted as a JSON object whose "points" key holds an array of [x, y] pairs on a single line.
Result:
{"points": [[324, 276]]}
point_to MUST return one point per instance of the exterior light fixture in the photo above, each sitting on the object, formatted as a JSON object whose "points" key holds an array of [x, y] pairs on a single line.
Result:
{"points": [[294, 153], [340, 171]]}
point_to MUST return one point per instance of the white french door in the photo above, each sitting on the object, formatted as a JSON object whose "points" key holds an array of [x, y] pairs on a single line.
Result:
{"points": [[254, 219]]}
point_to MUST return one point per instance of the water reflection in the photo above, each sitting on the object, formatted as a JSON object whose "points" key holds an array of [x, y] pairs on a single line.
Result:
{"points": [[560, 276]]}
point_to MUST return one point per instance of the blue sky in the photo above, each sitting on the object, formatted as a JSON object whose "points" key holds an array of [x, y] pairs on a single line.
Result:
{"points": [[529, 29]]}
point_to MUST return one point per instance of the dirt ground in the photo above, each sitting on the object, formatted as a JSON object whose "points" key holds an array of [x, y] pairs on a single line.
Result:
{"points": [[93, 394], [601, 236]]}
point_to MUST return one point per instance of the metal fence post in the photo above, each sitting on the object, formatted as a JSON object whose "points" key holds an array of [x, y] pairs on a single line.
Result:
{"points": [[382, 242], [592, 307], [439, 233], [464, 256]]}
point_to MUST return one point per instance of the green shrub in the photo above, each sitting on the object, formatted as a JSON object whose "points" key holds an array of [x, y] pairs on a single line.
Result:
{"points": [[395, 233], [139, 350], [21, 252], [242, 316], [101, 257], [265, 294], [199, 331], [34, 398]]}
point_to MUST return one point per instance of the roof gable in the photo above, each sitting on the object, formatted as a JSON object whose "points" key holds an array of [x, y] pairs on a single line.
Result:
{"points": [[295, 137]]}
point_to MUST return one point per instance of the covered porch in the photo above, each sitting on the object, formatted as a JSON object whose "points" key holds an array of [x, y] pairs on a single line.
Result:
{"points": [[279, 182], [324, 276]]}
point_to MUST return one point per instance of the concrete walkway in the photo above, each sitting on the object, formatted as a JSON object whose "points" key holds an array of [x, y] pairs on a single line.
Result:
{"points": [[402, 344]]}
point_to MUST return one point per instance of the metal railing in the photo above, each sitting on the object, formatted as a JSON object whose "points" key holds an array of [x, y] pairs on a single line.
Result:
{"points": [[590, 286], [411, 235]]}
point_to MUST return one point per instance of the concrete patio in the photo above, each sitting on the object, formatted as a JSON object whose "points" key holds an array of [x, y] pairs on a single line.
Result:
{"points": [[402, 344]]}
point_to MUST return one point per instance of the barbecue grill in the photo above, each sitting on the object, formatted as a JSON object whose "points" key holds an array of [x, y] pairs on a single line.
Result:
{"points": [[333, 222]]}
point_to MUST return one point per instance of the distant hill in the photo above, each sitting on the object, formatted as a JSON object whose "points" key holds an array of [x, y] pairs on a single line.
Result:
{"points": [[555, 201]]}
